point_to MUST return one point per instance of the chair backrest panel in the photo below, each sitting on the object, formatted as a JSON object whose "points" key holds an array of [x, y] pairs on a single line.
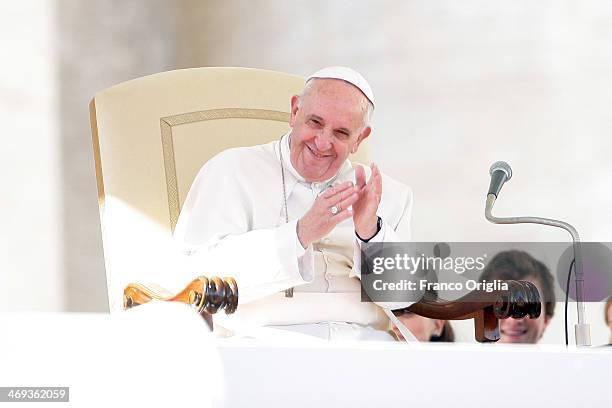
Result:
{"points": [[190, 140]]}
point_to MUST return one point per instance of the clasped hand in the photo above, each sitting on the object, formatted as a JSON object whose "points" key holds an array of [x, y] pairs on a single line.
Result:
{"points": [[364, 198]]}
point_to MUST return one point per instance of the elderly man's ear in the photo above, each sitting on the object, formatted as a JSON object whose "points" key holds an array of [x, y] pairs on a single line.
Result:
{"points": [[295, 101], [438, 327], [362, 136]]}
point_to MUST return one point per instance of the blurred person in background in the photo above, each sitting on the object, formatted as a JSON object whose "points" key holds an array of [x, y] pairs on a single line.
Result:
{"points": [[519, 265], [608, 317], [423, 328]]}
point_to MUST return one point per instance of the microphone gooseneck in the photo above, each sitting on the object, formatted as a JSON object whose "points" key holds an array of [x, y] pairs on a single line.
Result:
{"points": [[502, 172]]}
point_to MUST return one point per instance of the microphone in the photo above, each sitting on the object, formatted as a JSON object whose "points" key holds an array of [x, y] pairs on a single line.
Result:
{"points": [[500, 173]]}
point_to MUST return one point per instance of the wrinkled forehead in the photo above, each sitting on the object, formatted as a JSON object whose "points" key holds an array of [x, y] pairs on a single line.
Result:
{"points": [[334, 95]]}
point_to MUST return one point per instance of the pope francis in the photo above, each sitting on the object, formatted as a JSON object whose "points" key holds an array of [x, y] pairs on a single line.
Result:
{"points": [[287, 218]]}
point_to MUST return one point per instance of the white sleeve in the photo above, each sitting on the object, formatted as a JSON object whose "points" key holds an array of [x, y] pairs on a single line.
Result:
{"points": [[263, 261], [386, 234]]}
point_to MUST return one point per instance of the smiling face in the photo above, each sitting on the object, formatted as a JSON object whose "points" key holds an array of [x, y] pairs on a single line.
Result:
{"points": [[328, 123], [524, 330], [609, 318]]}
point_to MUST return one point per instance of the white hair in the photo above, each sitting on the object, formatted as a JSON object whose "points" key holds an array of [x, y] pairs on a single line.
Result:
{"points": [[367, 107]]}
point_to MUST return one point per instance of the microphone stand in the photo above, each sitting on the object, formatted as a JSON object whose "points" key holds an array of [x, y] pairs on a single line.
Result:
{"points": [[582, 329]]}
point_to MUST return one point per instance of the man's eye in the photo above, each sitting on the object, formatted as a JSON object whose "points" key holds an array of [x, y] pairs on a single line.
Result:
{"points": [[315, 122], [342, 135]]}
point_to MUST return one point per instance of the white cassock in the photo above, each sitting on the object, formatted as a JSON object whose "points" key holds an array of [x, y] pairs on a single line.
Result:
{"points": [[233, 224]]}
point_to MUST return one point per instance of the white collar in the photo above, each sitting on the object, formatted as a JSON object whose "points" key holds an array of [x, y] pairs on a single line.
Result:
{"points": [[343, 174]]}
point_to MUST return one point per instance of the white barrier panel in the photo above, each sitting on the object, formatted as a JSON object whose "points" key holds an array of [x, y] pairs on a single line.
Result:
{"points": [[380, 374], [159, 355]]}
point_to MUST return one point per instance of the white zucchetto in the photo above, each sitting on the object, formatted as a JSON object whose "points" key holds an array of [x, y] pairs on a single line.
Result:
{"points": [[349, 75]]}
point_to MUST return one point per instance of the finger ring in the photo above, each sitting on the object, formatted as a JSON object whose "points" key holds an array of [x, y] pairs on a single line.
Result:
{"points": [[334, 210]]}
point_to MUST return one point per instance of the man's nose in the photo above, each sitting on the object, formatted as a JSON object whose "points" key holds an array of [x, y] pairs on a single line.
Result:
{"points": [[323, 140], [516, 322]]}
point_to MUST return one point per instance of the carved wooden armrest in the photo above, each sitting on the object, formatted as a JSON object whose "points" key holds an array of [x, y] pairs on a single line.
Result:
{"points": [[206, 295], [486, 308]]}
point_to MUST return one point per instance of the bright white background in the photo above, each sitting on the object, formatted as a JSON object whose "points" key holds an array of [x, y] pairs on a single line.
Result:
{"points": [[458, 86]]}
